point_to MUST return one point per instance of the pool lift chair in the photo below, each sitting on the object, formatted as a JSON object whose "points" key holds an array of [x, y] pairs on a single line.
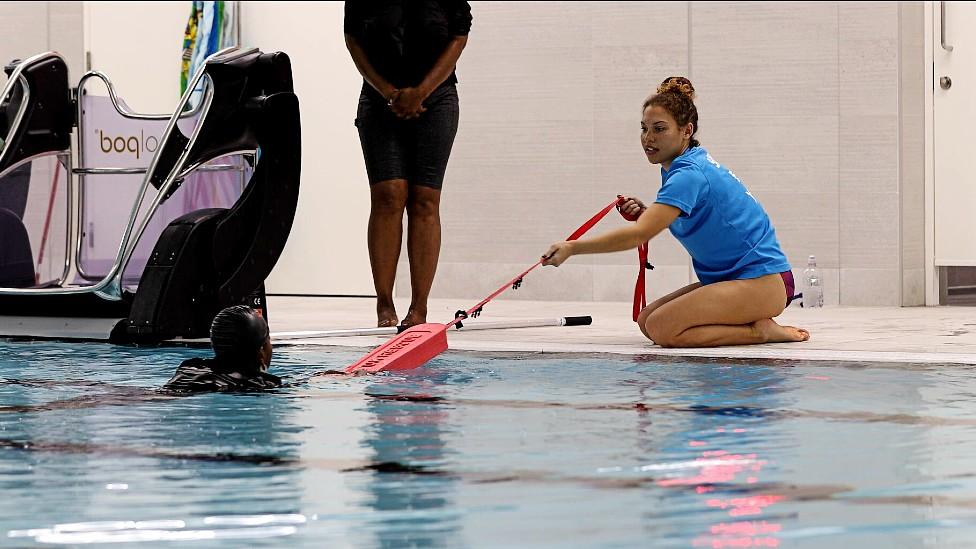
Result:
{"points": [[204, 260]]}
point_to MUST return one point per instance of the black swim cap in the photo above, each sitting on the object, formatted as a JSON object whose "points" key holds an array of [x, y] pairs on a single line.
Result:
{"points": [[237, 330]]}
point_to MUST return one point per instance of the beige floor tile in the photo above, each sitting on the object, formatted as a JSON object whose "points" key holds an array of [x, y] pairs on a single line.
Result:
{"points": [[879, 334]]}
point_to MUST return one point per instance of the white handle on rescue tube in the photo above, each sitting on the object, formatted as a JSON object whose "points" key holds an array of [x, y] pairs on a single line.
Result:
{"points": [[468, 325]]}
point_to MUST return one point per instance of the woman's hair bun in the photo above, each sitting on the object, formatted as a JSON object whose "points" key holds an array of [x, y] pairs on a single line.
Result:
{"points": [[679, 85]]}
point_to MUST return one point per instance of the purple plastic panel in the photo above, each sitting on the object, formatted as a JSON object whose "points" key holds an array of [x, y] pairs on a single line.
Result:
{"points": [[113, 141]]}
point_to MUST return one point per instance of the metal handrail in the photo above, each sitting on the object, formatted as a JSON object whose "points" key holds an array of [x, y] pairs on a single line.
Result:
{"points": [[126, 233], [122, 109], [21, 109], [942, 8], [117, 103], [17, 77], [130, 171], [110, 287]]}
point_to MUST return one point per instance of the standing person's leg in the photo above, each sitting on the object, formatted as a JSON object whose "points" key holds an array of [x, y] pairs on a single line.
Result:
{"points": [[434, 137], [423, 248], [384, 235], [382, 138], [736, 312]]}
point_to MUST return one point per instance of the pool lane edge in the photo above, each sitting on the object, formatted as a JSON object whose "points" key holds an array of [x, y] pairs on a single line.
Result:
{"points": [[769, 351]]}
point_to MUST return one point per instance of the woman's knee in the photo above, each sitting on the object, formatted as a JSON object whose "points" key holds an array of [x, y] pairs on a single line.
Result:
{"points": [[389, 196], [423, 202], [642, 320], [646, 311], [659, 330]]}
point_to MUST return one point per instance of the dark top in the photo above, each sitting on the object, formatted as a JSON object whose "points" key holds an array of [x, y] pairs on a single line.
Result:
{"points": [[208, 375], [404, 38]]}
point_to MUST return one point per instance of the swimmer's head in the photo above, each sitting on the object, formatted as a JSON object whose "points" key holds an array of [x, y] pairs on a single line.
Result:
{"points": [[241, 334]]}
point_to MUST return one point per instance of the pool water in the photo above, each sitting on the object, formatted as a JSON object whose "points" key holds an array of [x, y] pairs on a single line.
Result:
{"points": [[485, 450]]}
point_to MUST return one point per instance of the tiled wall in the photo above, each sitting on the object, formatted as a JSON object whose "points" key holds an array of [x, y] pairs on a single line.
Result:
{"points": [[912, 153], [816, 106]]}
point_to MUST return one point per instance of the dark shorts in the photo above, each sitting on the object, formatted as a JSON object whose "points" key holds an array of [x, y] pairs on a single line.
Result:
{"points": [[416, 150], [790, 285]]}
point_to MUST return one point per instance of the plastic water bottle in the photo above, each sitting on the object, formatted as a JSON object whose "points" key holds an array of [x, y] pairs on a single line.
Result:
{"points": [[813, 284]]}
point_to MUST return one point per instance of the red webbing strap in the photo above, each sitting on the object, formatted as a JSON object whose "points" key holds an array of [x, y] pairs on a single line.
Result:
{"points": [[640, 299], [576, 234], [593, 220]]}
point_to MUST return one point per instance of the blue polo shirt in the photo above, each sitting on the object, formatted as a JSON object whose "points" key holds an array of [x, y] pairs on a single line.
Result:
{"points": [[724, 228]]}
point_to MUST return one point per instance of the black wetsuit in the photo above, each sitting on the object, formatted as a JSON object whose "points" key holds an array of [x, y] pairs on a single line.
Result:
{"points": [[210, 374]]}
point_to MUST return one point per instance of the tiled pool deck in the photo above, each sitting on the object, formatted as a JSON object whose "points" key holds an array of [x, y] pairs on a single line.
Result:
{"points": [[932, 335], [920, 335]]}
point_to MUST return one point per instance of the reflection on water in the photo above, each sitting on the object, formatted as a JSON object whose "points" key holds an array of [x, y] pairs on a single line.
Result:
{"points": [[724, 476], [477, 450], [417, 512]]}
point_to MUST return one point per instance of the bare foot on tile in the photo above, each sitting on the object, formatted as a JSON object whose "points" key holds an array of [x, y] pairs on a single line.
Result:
{"points": [[414, 317], [775, 333], [385, 316]]}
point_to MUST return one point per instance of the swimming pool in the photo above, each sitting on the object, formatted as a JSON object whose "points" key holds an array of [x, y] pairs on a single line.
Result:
{"points": [[485, 450]]}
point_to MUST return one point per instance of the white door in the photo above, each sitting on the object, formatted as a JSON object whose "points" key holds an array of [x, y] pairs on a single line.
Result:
{"points": [[954, 103]]}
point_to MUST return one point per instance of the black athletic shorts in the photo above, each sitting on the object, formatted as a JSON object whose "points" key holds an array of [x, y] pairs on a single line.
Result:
{"points": [[416, 150]]}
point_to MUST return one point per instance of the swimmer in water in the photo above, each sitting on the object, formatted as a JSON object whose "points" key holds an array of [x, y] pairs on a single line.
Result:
{"points": [[242, 353]]}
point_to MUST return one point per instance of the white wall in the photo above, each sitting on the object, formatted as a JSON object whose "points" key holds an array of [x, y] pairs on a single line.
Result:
{"points": [[326, 251], [138, 45], [550, 94], [805, 101]]}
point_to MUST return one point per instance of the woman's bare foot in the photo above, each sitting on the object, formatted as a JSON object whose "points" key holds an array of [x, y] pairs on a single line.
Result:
{"points": [[385, 316], [774, 333], [414, 317]]}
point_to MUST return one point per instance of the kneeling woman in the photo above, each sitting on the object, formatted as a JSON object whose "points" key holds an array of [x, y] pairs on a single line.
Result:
{"points": [[745, 279]]}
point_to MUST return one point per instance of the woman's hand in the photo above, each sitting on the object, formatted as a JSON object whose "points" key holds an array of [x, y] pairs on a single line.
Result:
{"points": [[558, 253], [408, 103], [632, 208]]}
